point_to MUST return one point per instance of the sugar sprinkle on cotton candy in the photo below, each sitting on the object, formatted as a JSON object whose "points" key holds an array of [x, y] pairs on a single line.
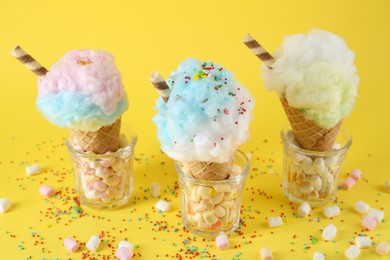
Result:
{"points": [[316, 74], [82, 91], [207, 115]]}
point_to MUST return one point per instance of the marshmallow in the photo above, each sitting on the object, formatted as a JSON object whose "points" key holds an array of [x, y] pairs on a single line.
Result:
{"points": [[155, 189], [361, 207], [100, 186], [222, 241], [127, 244], [352, 252], [363, 242], [376, 214], [329, 232], [266, 254], [33, 169], [46, 191], [356, 174], [222, 187], [348, 183], [124, 253], [387, 186], [93, 243], [383, 248], [275, 222], [71, 245], [318, 256], [304, 209], [162, 205], [332, 211], [369, 223], [5, 204], [107, 162], [209, 217]]}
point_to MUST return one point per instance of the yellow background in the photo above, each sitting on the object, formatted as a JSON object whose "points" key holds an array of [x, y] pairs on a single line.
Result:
{"points": [[146, 36]]}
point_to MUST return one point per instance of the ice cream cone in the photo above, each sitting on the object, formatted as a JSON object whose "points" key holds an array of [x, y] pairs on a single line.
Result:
{"points": [[106, 139], [308, 133], [209, 171]]}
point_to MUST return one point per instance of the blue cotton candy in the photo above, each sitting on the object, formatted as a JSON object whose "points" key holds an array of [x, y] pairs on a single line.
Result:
{"points": [[73, 110], [207, 115]]}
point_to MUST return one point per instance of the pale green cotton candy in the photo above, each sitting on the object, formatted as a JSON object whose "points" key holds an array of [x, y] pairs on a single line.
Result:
{"points": [[316, 74]]}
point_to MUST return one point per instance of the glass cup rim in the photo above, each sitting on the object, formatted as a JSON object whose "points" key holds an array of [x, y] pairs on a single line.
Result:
{"points": [[239, 177], [344, 131], [127, 130]]}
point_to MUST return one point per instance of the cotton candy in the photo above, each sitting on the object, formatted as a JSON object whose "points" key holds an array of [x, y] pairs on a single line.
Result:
{"points": [[207, 115], [316, 74], [83, 91]]}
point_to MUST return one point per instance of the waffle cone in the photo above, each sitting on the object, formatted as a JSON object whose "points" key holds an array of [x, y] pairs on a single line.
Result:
{"points": [[210, 171], [106, 139], [308, 133]]}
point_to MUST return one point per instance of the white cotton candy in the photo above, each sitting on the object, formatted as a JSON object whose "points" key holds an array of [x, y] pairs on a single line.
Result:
{"points": [[316, 74]]}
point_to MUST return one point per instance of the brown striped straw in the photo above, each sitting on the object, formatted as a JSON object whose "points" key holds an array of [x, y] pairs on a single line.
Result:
{"points": [[28, 61], [259, 51], [161, 86]]}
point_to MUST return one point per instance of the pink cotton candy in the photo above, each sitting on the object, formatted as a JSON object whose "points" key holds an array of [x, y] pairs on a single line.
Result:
{"points": [[88, 72]]}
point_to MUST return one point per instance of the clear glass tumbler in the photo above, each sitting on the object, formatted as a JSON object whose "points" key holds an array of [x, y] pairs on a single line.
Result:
{"points": [[104, 181], [209, 208], [312, 176]]}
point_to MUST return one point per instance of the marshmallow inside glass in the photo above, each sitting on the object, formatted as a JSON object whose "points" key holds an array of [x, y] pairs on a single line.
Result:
{"points": [[316, 81], [201, 126], [83, 92]]}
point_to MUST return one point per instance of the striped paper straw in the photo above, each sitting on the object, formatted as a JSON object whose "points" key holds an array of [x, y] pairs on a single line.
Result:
{"points": [[161, 86], [259, 51], [28, 61]]}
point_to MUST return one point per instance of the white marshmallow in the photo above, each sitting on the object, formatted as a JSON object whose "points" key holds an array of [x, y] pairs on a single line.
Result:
{"points": [[332, 211], [361, 207], [93, 243], [363, 242], [155, 189], [318, 256], [162, 205], [304, 209], [126, 244], [352, 252], [329, 232], [275, 222], [33, 169], [382, 248], [266, 254], [222, 187], [209, 217], [5, 204], [376, 214]]}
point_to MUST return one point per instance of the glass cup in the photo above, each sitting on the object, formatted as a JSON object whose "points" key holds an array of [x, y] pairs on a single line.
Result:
{"points": [[312, 176], [209, 208], [104, 181]]}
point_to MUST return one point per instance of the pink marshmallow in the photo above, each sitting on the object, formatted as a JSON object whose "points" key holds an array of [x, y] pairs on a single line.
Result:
{"points": [[99, 186], [71, 245], [222, 242], [46, 191], [124, 253], [356, 174], [369, 223], [348, 183]]}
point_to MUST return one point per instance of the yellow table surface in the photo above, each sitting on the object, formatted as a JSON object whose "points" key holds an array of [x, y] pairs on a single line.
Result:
{"points": [[146, 36]]}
